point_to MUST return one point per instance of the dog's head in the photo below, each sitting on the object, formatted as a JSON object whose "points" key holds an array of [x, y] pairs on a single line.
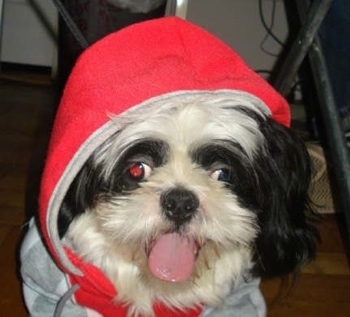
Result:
{"points": [[198, 193]]}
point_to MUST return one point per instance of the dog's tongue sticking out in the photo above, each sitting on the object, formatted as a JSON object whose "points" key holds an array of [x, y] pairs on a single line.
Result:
{"points": [[172, 257]]}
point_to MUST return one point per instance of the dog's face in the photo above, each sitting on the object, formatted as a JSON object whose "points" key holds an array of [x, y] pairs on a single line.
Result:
{"points": [[181, 205]]}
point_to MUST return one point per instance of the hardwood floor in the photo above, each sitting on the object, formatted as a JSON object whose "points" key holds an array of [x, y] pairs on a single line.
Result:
{"points": [[26, 111]]}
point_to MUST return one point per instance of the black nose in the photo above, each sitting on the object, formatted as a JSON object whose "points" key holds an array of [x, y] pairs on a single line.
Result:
{"points": [[179, 205]]}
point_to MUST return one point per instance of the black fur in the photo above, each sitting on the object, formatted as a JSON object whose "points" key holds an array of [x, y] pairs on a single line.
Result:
{"points": [[287, 239]]}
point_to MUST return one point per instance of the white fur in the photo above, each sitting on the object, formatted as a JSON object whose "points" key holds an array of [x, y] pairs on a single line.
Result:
{"points": [[115, 235]]}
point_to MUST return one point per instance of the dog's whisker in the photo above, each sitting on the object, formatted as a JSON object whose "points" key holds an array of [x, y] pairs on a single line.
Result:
{"points": [[216, 250], [133, 256], [195, 278], [206, 261]]}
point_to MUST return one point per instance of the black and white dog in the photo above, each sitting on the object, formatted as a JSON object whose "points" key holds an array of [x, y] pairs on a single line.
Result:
{"points": [[198, 192]]}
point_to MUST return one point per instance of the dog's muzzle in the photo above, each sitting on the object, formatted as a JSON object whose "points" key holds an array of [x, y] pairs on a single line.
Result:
{"points": [[172, 255]]}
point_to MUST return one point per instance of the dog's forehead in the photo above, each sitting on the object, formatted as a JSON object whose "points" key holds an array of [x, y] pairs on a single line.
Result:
{"points": [[184, 126]]}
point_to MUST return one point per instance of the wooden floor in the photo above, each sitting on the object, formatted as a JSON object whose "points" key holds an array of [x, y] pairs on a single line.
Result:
{"points": [[323, 288]]}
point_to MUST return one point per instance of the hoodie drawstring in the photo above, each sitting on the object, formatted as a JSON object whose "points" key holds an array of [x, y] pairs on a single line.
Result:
{"points": [[62, 302]]}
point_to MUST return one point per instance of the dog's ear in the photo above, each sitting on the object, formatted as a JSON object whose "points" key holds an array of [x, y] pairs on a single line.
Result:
{"points": [[80, 196], [287, 239]]}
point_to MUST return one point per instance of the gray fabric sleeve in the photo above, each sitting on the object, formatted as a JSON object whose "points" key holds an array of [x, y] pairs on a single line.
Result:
{"points": [[245, 300], [43, 284]]}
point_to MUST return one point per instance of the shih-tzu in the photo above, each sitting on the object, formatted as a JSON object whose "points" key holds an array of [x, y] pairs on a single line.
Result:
{"points": [[172, 183]]}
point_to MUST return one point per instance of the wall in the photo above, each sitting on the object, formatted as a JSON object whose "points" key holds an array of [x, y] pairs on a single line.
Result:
{"points": [[30, 28], [237, 22], [29, 32]]}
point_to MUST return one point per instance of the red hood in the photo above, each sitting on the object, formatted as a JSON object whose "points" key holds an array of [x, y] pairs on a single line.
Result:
{"points": [[123, 71]]}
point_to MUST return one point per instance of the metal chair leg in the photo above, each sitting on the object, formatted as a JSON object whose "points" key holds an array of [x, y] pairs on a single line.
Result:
{"points": [[301, 46], [177, 8]]}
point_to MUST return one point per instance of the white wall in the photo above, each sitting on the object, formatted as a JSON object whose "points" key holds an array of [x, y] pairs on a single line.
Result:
{"points": [[237, 22], [25, 37]]}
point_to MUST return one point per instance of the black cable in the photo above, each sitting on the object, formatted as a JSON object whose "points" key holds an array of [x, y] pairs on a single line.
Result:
{"points": [[263, 71], [71, 24], [268, 28]]}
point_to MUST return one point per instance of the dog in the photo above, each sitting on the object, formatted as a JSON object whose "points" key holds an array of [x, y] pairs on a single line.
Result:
{"points": [[184, 203], [189, 196]]}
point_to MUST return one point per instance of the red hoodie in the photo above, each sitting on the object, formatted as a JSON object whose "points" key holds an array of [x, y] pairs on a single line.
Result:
{"points": [[125, 70]]}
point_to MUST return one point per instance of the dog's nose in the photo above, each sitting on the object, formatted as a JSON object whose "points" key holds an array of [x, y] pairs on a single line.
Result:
{"points": [[179, 205]]}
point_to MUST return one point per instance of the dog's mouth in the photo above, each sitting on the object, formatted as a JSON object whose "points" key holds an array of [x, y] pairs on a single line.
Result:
{"points": [[172, 257]]}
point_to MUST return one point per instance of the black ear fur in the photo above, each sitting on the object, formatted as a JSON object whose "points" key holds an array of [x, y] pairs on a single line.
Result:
{"points": [[80, 196], [287, 239]]}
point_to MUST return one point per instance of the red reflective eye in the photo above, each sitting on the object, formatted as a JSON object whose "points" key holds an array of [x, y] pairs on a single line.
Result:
{"points": [[136, 170], [139, 171]]}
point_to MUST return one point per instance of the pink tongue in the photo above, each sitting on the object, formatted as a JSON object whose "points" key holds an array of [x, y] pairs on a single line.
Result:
{"points": [[172, 257]]}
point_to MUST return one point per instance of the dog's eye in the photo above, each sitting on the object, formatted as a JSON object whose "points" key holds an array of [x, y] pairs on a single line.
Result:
{"points": [[139, 171], [221, 175]]}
